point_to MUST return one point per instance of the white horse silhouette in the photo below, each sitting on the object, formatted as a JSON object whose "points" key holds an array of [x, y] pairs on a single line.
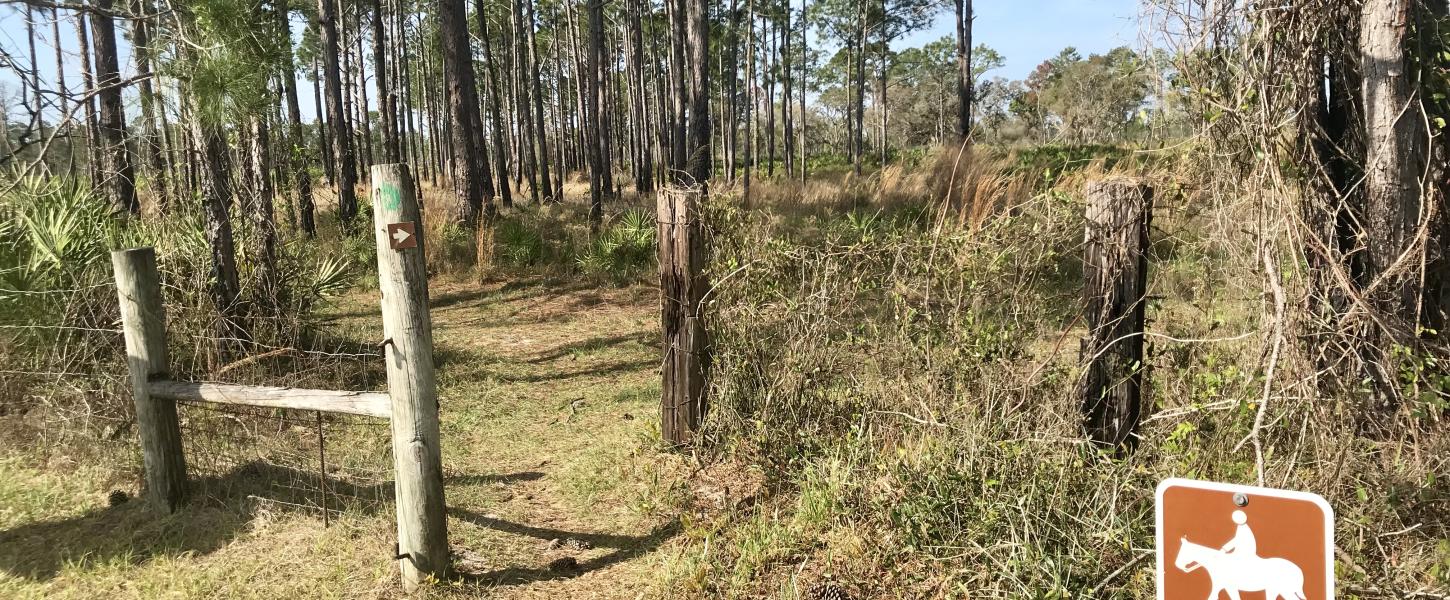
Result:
{"points": [[1276, 577]]}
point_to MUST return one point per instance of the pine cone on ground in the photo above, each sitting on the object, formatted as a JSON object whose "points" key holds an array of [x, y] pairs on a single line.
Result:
{"points": [[827, 591]]}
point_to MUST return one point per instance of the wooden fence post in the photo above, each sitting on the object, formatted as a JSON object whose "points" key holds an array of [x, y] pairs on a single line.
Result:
{"points": [[1115, 281], [143, 318], [408, 341], [682, 292]]}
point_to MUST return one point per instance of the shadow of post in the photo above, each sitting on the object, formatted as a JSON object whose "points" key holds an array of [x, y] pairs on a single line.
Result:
{"points": [[626, 547], [218, 510]]}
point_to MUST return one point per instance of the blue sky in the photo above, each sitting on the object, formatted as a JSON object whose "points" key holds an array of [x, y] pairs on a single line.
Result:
{"points": [[1025, 32]]}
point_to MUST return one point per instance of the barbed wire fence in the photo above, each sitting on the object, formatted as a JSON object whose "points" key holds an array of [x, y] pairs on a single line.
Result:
{"points": [[65, 396]]}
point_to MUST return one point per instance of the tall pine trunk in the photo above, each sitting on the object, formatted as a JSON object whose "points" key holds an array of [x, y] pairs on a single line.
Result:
{"points": [[592, 108], [120, 175], [150, 142], [540, 138], [699, 58], [344, 161], [468, 170], [1396, 147], [297, 155], [500, 153], [387, 98], [964, 68], [88, 86], [264, 224]]}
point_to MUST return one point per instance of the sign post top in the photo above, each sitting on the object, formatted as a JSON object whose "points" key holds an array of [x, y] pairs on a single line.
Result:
{"points": [[1218, 538]]}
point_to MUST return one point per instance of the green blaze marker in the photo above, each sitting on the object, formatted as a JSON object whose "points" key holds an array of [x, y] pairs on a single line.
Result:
{"points": [[391, 197]]}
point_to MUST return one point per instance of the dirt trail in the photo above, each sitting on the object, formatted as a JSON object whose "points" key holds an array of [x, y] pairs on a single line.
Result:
{"points": [[554, 481], [548, 393]]}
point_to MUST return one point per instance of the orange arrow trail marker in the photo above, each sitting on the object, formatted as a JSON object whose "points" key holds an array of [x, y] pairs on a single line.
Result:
{"points": [[1217, 540]]}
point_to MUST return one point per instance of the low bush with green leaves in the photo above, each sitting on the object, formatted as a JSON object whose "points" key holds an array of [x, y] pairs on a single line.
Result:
{"points": [[625, 249]]}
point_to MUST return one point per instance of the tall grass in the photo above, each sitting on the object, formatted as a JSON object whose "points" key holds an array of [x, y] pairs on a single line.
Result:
{"points": [[907, 386]]}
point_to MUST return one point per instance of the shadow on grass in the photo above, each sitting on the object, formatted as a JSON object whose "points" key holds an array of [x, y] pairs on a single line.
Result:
{"points": [[219, 509], [625, 547], [607, 369], [593, 344]]}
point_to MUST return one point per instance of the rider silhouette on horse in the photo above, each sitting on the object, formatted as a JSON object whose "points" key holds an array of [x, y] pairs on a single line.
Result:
{"points": [[1244, 544]]}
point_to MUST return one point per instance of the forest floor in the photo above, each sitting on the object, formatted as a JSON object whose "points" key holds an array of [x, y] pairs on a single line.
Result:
{"points": [[553, 476]]}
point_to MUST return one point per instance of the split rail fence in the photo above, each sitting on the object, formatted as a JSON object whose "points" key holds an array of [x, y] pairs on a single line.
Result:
{"points": [[411, 403]]}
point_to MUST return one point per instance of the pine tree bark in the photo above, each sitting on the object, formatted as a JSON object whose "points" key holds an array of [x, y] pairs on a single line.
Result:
{"points": [[500, 152], [214, 188], [883, 67], [749, 166], [523, 104], [88, 86], [344, 161], [387, 97], [964, 68], [469, 170], [264, 224], [33, 82], [732, 95], [363, 126], [679, 91], [560, 124], [70, 146], [644, 166], [296, 147], [1396, 148], [805, 81], [787, 77], [539, 135], [699, 43], [859, 127], [120, 175], [1395, 139], [150, 143], [771, 50], [593, 104], [324, 133]]}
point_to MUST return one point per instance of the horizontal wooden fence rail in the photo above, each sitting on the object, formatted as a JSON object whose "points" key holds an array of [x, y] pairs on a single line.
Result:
{"points": [[412, 397], [368, 404]]}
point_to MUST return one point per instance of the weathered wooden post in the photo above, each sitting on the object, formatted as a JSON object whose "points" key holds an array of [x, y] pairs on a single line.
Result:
{"points": [[682, 293], [408, 341], [143, 319], [1115, 281]]}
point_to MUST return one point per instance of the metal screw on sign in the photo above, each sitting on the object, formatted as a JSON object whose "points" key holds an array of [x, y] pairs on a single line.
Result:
{"points": [[1240, 499]]}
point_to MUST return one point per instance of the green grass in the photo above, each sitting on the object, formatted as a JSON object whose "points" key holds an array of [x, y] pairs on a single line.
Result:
{"points": [[549, 403], [893, 409]]}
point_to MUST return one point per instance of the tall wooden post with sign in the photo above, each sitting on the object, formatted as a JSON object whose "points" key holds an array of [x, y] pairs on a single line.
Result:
{"points": [[408, 344], [1115, 282]]}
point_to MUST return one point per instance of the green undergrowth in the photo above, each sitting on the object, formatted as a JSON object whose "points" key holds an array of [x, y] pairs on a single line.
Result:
{"points": [[908, 392], [556, 239]]}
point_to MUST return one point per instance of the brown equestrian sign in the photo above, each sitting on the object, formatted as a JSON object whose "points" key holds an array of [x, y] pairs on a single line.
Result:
{"points": [[1245, 543]]}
